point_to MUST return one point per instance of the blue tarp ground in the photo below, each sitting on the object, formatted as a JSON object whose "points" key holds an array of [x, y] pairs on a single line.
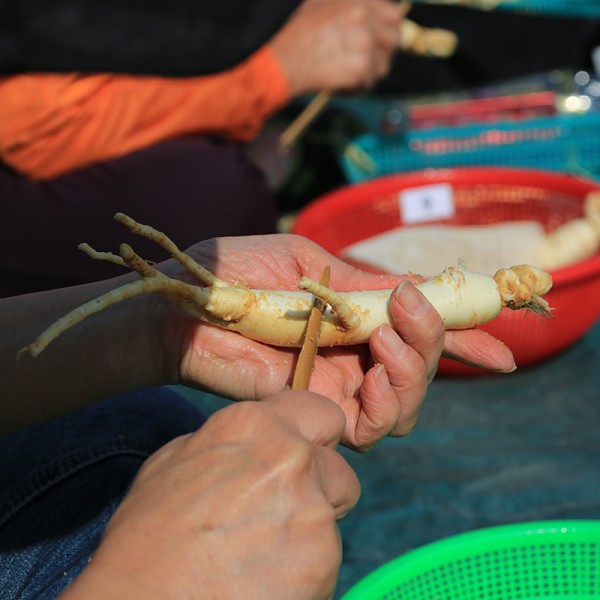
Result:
{"points": [[486, 451]]}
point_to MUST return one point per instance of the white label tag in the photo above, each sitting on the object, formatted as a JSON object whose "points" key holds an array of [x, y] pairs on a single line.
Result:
{"points": [[427, 203]]}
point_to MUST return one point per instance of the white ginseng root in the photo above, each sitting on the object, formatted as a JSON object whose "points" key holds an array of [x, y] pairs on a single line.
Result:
{"points": [[463, 300], [575, 240]]}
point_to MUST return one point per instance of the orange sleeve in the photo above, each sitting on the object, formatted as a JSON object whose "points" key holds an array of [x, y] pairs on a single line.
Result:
{"points": [[51, 124]]}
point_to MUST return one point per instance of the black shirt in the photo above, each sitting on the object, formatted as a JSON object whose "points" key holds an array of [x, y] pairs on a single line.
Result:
{"points": [[159, 37]]}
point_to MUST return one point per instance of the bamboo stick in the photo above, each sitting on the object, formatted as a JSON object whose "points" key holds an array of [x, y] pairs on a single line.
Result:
{"points": [[308, 353]]}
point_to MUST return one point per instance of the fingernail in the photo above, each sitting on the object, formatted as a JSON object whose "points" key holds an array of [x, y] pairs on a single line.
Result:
{"points": [[511, 370], [411, 299], [384, 333]]}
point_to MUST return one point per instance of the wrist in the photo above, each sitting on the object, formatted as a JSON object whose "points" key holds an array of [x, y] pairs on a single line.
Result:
{"points": [[106, 354], [98, 582], [292, 70]]}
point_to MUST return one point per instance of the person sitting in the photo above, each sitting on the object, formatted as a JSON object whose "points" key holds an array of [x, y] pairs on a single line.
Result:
{"points": [[111, 484], [78, 147]]}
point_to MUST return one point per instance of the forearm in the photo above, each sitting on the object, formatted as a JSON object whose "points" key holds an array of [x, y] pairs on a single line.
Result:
{"points": [[109, 353], [232, 104], [105, 116]]}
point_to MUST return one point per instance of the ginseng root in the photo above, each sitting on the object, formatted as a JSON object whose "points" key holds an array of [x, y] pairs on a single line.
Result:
{"points": [[575, 240], [463, 299]]}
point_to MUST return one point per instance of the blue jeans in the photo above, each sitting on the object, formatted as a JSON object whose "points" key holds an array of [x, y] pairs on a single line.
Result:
{"points": [[61, 481]]}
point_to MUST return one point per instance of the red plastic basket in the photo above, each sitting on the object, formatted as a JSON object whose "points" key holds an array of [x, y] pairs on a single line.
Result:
{"points": [[481, 196]]}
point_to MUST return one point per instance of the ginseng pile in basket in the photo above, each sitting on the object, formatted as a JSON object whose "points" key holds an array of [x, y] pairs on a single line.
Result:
{"points": [[480, 196]]}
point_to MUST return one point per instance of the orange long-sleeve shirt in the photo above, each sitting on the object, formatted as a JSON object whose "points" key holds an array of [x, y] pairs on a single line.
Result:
{"points": [[51, 123]]}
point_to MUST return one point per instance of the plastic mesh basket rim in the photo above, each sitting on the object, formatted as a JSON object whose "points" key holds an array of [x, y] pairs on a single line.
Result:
{"points": [[445, 569], [583, 7], [353, 212], [562, 143], [355, 194]]}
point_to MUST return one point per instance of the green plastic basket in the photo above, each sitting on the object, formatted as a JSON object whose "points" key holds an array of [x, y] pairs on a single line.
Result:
{"points": [[558, 560]]}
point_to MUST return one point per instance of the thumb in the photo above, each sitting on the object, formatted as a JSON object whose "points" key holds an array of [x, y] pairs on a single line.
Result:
{"points": [[315, 417]]}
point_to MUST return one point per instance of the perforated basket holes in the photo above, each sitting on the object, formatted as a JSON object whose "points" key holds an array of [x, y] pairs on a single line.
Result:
{"points": [[477, 204], [486, 204], [548, 570], [583, 8], [565, 143]]}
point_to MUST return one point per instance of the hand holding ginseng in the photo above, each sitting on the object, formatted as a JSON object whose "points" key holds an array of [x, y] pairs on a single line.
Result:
{"points": [[391, 340], [379, 385], [246, 507]]}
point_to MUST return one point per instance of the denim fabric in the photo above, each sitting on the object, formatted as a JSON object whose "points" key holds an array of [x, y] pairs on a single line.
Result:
{"points": [[61, 481]]}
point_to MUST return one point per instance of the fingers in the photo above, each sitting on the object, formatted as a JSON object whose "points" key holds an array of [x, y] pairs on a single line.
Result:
{"points": [[253, 486], [338, 44], [339, 483], [477, 348], [419, 324], [387, 24], [381, 28], [322, 422], [315, 417], [406, 362]]}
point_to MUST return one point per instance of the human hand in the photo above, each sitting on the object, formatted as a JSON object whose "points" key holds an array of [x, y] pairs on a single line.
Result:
{"points": [[380, 386], [338, 44], [246, 507]]}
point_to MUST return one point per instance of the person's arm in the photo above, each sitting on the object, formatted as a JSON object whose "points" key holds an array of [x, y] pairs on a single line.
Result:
{"points": [[51, 124], [114, 352], [246, 507], [147, 341]]}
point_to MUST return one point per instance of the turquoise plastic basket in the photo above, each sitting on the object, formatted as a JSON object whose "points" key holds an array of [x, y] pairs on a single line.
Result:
{"points": [[545, 560], [565, 143], [576, 8]]}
